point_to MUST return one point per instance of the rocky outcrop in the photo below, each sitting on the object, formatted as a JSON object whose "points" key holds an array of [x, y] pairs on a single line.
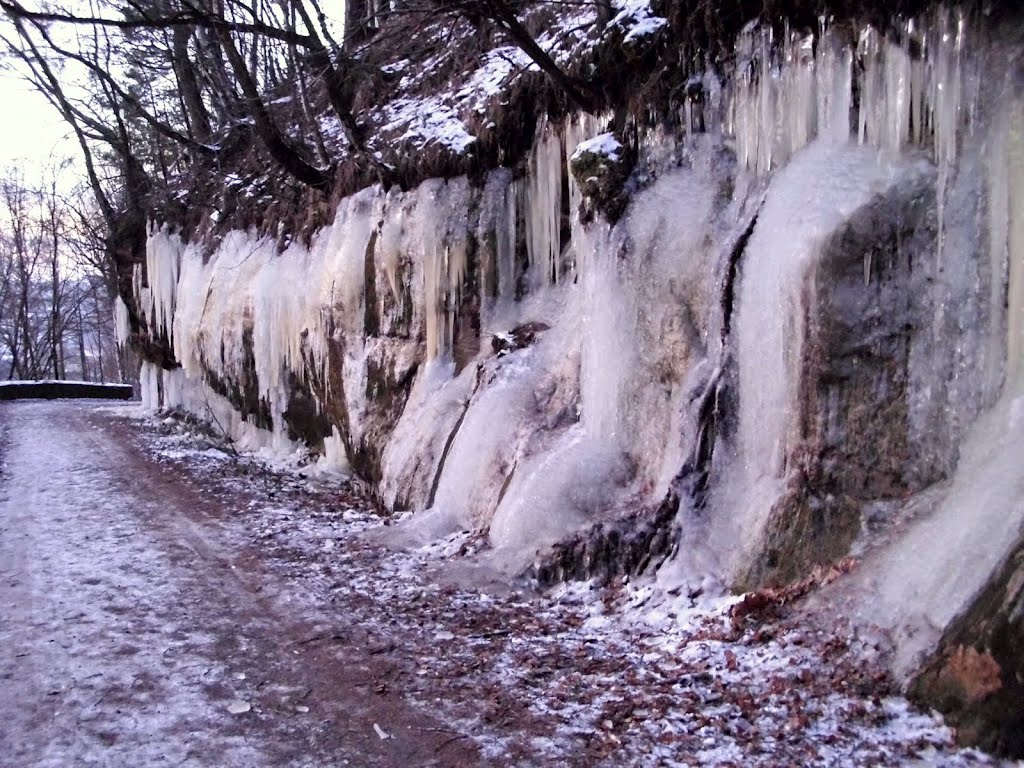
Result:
{"points": [[748, 345], [864, 305], [976, 678], [601, 167]]}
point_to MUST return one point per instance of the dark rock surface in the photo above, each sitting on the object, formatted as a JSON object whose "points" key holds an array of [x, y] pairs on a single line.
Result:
{"points": [[976, 678], [602, 178], [865, 307]]}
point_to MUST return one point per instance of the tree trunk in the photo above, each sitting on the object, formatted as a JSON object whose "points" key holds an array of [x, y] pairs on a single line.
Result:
{"points": [[278, 147], [81, 346], [188, 85], [56, 321], [355, 21]]}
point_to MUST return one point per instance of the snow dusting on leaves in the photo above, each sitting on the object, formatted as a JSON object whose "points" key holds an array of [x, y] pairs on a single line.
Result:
{"points": [[438, 117], [498, 68], [426, 121]]}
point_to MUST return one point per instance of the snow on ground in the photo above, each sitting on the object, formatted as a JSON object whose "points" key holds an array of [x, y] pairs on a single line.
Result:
{"points": [[113, 636], [581, 675]]}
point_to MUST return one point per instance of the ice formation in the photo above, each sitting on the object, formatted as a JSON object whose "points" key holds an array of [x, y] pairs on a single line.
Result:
{"points": [[921, 581], [705, 284], [790, 91], [122, 326], [806, 203]]}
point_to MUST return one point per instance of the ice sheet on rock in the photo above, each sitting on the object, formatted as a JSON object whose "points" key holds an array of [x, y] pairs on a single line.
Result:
{"points": [[918, 583], [809, 199], [556, 491], [409, 461]]}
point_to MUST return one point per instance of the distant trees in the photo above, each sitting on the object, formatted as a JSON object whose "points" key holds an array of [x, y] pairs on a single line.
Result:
{"points": [[161, 93], [54, 304], [173, 81]]}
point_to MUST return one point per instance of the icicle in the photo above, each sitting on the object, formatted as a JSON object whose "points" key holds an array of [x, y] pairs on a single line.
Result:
{"points": [[506, 244], [433, 297], [799, 90], [334, 457], [834, 88], [869, 51], [1015, 250], [775, 106], [897, 89], [917, 94], [544, 207], [174, 387], [442, 227], [122, 326], [163, 260], [149, 385], [391, 242], [784, 95], [998, 215], [603, 366], [946, 108]]}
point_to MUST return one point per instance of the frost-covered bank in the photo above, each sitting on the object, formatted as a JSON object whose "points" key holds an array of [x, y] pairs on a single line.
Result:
{"points": [[785, 331], [583, 675]]}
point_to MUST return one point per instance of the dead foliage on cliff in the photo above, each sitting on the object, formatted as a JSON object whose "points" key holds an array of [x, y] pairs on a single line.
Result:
{"points": [[769, 603], [441, 94]]}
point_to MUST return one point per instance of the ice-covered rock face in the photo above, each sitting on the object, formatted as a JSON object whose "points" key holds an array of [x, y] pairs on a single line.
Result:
{"points": [[809, 313]]}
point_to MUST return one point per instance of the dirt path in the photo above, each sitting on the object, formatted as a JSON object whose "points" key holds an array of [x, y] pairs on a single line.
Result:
{"points": [[149, 581], [132, 617]]}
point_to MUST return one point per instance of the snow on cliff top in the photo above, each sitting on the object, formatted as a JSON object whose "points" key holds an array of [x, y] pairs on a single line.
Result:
{"points": [[423, 115], [605, 144], [637, 20]]}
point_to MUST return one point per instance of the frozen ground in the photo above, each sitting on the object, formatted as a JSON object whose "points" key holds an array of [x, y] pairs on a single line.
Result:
{"points": [[153, 586]]}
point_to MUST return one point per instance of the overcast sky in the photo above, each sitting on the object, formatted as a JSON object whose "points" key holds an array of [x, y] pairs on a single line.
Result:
{"points": [[30, 129]]}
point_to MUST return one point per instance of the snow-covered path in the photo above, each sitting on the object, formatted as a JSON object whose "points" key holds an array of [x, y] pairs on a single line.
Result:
{"points": [[132, 624], [152, 585]]}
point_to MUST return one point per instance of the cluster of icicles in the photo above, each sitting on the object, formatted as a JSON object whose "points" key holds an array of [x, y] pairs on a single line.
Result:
{"points": [[291, 301], [911, 87]]}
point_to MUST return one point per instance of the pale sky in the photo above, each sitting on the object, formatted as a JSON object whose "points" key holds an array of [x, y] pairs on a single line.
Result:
{"points": [[30, 129]]}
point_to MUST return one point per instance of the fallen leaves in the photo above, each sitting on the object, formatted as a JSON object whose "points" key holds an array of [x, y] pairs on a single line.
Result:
{"points": [[578, 679], [767, 603], [975, 674]]}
